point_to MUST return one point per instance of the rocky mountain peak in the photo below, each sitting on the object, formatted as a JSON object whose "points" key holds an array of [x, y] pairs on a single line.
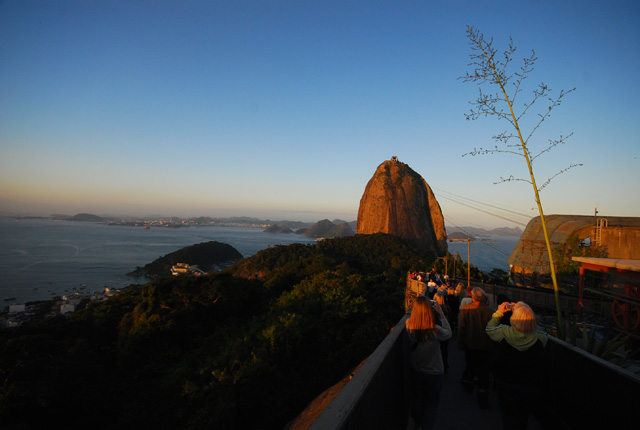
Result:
{"points": [[398, 201]]}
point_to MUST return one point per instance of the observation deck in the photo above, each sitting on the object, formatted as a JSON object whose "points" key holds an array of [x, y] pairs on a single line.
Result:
{"points": [[582, 391]]}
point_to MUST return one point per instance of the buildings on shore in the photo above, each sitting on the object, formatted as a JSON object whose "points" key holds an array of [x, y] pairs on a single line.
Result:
{"points": [[18, 313], [186, 269]]}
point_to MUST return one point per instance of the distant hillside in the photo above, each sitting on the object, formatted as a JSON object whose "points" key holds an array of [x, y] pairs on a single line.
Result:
{"points": [[206, 256], [459, 235], [82, 217], [327, 229], [275, 228], [85, 217], [341, 230], [475, 231]]}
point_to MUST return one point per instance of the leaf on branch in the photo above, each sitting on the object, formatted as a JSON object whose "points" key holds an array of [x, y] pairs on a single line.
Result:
{"points": [[511, 179], [557, 174], [552, 144], [482, 151]]}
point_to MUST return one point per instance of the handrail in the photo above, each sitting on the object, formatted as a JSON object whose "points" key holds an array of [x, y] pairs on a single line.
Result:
{"points": [[375, 394]]}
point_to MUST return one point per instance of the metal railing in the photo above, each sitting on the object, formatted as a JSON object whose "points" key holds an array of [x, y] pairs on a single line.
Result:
{"points": [[582, 390]]}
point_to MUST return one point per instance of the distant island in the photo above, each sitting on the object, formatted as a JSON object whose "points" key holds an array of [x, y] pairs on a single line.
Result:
{"points": [[458, 235], [277, 229], [323, 228], [207, 256], [474, 232], [85, 217]]}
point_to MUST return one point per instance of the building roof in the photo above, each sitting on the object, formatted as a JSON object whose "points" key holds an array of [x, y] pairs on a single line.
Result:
{"points": [[613, 263], [531, 253]]}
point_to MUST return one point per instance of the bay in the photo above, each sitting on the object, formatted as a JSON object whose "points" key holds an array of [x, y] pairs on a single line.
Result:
{"points": [[41, 258], [486, 253]]}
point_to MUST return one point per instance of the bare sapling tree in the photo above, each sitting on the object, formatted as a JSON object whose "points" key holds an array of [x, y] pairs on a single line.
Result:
{"points": [[490, 70]]}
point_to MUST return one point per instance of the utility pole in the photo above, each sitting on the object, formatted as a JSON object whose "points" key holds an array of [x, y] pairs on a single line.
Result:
{"points": [[468, 240], [446, 264]]}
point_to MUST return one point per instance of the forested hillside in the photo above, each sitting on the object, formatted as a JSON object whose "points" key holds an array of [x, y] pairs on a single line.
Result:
{"points": [[206, 255], [248, 347]]}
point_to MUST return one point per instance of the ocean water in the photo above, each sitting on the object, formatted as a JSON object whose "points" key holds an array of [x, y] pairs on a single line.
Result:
{"points": [[41, 258], [486, 253]]}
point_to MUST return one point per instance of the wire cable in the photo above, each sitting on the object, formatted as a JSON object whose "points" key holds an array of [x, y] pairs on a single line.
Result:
{"points": [[482, 210]]}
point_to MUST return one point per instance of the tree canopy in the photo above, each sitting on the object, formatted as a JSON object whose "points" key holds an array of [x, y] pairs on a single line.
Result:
{"points": [[266, 335]]}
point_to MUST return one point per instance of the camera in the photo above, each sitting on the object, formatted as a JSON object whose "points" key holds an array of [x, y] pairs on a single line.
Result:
{"points": [[433, 302], [509, 306]]}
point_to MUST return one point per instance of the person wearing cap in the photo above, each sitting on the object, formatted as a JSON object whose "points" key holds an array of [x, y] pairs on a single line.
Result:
{"points": [[517, 365], [478, 347]]}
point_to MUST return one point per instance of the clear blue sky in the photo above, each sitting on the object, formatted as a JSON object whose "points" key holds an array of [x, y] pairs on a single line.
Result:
{"points": [[284, 109]]}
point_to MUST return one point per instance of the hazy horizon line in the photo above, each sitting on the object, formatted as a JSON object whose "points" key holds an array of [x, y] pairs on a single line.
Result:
{"points": [[9, 214]]}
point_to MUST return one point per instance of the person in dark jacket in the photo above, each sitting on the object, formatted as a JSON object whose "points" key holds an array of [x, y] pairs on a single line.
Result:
{"points": [[517, 367], [453, 301], [478, 348]]}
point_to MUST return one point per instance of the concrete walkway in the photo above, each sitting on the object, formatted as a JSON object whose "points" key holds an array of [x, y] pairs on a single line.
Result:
{"points": [[458, 409]]}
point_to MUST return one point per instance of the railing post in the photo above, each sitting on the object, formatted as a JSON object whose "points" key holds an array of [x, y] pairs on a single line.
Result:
{"points": [[580, 291]]}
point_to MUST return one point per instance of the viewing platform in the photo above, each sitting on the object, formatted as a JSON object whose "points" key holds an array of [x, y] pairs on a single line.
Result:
{"points": [[457, 410], [581, 391]]}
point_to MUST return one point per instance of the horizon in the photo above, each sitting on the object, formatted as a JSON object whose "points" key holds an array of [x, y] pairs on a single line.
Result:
{"points": [[239, 217], [285, 109]]}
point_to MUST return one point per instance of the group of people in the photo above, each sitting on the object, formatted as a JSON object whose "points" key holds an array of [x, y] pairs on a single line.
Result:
{"points": [[431, 276], [505, 343]]}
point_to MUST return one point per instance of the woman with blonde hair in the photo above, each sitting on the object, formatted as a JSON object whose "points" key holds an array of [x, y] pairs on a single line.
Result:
{"points": [[459, 290], [517, 366], [425, 359]]}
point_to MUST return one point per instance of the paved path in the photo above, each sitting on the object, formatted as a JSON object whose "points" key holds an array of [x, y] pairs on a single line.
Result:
{"points": [[458, 409]]}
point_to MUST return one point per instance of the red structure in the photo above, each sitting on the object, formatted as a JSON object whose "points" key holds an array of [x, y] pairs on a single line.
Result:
{"points": [[624, 307]]}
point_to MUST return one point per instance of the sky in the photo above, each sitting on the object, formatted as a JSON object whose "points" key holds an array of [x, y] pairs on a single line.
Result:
{"points": [[285, 109]]}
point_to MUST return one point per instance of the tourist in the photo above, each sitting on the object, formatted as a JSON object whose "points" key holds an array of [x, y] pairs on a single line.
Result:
{"points": [[453, 301], [440, 298], [425, 359], [517, 366], [432, 274], [431, 288], [506, 317], [478, 347], [466, 300]]}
